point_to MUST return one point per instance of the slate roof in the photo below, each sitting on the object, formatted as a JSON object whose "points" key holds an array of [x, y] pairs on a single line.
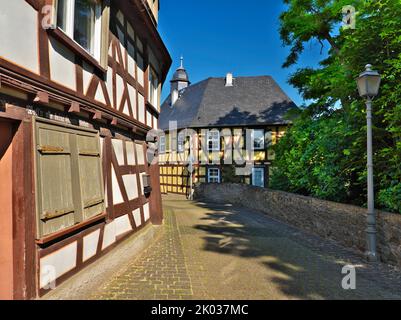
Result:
{"points": [[209, 103]]}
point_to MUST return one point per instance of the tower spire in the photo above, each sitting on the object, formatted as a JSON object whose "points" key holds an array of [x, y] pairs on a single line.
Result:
{"points": [[182, 62]]}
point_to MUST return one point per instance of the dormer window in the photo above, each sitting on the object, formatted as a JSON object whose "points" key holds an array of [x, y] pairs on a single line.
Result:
{"points": [[81, 21]]}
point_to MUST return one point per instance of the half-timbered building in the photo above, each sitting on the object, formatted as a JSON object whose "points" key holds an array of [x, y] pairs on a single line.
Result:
{"points": [[220, 130], [80, 84]]}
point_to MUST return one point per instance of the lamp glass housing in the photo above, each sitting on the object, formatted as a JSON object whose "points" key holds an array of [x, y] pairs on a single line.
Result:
{"points": [[369, 84]]}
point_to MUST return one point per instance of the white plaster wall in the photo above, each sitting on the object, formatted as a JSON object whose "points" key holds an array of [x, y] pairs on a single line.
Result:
{"points": [[117, 196], [90, 245], [132, 96], [119, 89], [109, 85], [109, 236], [119, 151], [99, 96], [87, 75], [141, 107], [123, 225], [146, 212], [137, 217], [131, 186], [19, 34], [126, 108], [148, 118], [140, 154], [155, 123], [130, 146], [62, 64], [57, 263]]}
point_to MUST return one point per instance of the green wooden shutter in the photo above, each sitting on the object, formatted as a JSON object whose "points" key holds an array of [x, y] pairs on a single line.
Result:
{"points": [[90, 176], [69, 177], [56, 203]]}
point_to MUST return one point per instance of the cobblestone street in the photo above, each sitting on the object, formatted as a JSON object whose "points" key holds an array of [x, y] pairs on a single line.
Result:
{"points": [[209, 251]]}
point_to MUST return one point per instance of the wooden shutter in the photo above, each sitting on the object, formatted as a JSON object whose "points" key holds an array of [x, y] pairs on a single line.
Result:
{"points": [[104, 54], [56, 203], [69, 176], [90, 176]]}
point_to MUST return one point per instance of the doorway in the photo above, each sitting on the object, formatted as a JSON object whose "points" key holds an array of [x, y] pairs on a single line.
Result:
{"points": [[258, 177]]}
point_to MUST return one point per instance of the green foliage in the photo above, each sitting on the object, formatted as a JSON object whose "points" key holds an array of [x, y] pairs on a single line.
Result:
{"points": [[324, 153], [229, 175]]}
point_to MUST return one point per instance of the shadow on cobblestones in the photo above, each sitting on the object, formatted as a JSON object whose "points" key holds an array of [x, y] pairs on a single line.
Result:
{"points": [[301, 266], [211, 251]]}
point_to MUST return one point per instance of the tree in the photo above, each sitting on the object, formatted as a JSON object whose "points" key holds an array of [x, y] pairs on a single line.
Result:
{"points": [[335, 152]]}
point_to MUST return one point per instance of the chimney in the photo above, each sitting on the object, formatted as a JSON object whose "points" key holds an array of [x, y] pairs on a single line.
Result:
{"points": [[229, 80]]}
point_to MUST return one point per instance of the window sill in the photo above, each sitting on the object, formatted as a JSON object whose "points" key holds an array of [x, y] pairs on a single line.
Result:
{"points": [[62, 233], [76, 48]]}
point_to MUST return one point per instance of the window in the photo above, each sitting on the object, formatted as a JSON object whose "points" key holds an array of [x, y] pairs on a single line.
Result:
{"points": [[69, 177], [181, 142], [153, 88], [213, 175], [213, 140], [140, 69], [258, 138], [162, 145], [81, 21]]}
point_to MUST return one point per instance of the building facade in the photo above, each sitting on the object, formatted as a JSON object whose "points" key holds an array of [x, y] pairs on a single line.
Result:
{"points": [[220, 130], [80, 84]]}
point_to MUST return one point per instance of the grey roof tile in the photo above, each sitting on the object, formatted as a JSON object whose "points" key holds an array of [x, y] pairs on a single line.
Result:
{"points": [[209, 103]]}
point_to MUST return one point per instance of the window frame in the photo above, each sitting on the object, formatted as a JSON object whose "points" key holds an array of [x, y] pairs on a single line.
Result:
{"points": [[162, 142], [253, 140], [209, 176], [181, 143], [216, 143], [101, 35]]}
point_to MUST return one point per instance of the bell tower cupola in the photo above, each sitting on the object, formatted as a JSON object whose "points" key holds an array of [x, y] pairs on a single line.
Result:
{"points": [[179, 82]]}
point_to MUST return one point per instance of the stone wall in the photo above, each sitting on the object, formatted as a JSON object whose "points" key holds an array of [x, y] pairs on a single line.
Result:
{"points": [[342, 223]]}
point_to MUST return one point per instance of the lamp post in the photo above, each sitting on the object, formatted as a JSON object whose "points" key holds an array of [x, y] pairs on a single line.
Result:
{"points": [[368, 86]]}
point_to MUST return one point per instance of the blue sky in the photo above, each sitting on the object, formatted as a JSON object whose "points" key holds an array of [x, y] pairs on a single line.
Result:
{"points": [[220, 36]]}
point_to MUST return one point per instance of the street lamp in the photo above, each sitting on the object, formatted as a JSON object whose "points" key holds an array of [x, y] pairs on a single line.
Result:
{"points": [[368, 86]]}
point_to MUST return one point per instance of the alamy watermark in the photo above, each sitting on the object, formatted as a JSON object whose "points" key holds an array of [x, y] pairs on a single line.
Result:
{"points": [[349, 280], [48, 277], [349, 17], [208, 147]]}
